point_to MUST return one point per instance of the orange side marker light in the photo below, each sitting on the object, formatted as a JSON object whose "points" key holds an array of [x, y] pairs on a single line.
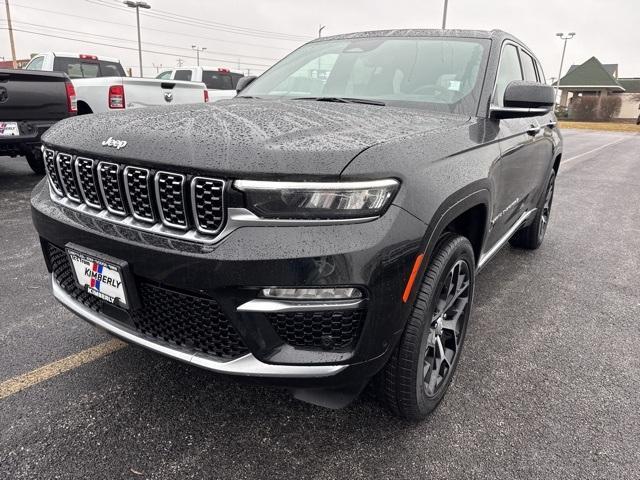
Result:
{"points": [[412, 277]]}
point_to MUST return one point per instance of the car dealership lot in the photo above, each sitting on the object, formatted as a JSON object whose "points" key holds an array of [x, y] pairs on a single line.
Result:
{"points": [[548, 385]]}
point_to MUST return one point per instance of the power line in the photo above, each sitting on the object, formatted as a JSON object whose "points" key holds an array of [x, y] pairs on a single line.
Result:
{"points": [[163, 30], [109, 37], [128, 48], [199, 23]]}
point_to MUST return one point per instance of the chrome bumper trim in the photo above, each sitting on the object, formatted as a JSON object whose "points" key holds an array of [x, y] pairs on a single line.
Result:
{"points": [[248, 365], [485, 257], [264, 305]]}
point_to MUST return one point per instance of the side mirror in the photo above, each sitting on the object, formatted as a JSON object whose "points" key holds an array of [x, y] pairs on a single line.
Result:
{"points": [[244, 83], [524, 99]]}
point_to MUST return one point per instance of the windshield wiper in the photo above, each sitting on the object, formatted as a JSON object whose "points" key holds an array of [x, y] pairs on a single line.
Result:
{"points": [[343, 100]]}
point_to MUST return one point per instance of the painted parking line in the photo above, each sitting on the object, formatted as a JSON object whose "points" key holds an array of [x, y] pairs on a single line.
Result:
{"points": [[575, 157], [53, 369]]}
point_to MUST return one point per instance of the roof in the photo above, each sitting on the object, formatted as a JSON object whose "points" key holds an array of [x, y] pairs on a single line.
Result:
{"points": [[591, 73], [422, 32], [630, 85], [612, 68], [77, 55]]}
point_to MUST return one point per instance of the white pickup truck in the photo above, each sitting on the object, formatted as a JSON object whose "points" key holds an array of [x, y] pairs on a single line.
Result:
{"points": [[101, 83], [221, 82]]}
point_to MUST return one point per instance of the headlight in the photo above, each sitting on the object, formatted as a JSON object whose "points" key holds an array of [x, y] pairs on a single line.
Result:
{"points": [[318, 200]]}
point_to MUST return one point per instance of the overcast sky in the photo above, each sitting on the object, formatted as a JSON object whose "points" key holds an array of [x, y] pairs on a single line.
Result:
{"points": [[609, 29]]}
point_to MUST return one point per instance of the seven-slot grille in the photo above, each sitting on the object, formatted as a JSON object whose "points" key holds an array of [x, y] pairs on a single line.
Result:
{"points": [[170, 194], [140, 196], [109, 180], [67, 178], [88, 182], [206, 197], [136, 184]]}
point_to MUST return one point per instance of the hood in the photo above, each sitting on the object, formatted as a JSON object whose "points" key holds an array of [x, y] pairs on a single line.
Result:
{"points": [[244, 137]]}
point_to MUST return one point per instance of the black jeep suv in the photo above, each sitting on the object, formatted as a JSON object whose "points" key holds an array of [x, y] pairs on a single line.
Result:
{"points": [[323, 229]]}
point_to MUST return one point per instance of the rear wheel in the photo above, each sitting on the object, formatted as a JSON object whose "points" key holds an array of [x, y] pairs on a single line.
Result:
{"points": [[531, 237], [422, 366], [35, 161]]}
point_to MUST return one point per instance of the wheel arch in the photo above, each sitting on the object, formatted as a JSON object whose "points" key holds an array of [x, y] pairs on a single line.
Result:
{"points": [[466, 213], [84, 108]]}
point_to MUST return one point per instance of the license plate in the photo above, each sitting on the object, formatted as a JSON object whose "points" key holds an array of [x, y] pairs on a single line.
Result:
{"points": [[9, 129], [101, 278]]}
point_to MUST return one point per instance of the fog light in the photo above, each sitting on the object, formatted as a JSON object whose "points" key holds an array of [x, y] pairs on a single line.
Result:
{"points": [[339, 293]]}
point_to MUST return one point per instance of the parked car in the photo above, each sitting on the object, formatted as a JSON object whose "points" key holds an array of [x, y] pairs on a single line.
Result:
{"points": [[221, 82], [102, 85], [322, 229], [30, 102]]}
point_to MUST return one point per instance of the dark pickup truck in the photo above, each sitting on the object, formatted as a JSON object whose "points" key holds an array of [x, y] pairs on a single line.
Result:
{"points": [[30, 102], [323, 229]]}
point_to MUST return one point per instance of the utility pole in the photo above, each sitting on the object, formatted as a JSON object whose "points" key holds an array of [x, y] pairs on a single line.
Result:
{"points": [[138, 6], [13, 45], [564, 37], [198, 50], [179, 62], [444, 14], [322, 27]]}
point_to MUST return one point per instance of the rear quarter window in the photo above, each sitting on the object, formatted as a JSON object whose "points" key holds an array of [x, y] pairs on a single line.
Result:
{"points": [[217, 80], [183, 75], [81, 68]]}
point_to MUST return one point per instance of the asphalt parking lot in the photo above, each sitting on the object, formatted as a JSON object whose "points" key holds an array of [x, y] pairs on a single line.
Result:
{"points": [[548, 385]]}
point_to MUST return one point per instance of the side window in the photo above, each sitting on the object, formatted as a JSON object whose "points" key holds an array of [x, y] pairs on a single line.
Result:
{"points": [[540, 73], [508, 72], [35, 64], [528, 67], [165, 75], [182, 75]]}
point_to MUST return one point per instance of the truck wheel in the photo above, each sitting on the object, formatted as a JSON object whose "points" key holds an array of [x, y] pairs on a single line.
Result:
{"points": [[35, 161], [418, 373], [531, 237]]}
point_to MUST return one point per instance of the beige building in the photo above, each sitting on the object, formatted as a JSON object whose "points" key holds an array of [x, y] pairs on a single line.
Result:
{"points": [[593, 78]]}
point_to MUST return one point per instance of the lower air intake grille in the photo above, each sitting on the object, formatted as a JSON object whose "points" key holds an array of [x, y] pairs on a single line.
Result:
{"points": [[331, 330], [167, 316]]}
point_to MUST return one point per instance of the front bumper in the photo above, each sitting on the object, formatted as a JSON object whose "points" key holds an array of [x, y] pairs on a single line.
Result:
{"points": [[376, 257]]}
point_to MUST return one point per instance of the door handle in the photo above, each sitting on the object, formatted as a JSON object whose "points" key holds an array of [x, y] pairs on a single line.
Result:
{"points": [[533, 130], [552, 124]]}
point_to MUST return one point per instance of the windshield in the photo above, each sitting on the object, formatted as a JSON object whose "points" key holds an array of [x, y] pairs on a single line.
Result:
{"points": [[436, 73]]}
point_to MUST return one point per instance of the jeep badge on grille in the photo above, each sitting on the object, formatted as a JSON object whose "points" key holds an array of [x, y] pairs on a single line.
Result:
{"points": [[112, 142]]}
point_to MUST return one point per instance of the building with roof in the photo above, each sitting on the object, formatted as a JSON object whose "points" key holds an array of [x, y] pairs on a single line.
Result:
{"points": [[593, 78]]}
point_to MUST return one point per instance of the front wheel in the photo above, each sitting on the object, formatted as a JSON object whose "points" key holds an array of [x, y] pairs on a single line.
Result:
{"points": [[422, 366]]}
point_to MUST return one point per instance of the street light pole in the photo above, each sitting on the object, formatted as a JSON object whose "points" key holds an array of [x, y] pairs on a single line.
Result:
{"points": [[322, 27], [444, 14], [138, 6], [10, 28], [198, 50], [564, 37]]}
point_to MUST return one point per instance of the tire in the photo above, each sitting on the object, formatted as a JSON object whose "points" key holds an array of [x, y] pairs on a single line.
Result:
{"points": [[35, 161], [531, 237], [410, 385]]}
